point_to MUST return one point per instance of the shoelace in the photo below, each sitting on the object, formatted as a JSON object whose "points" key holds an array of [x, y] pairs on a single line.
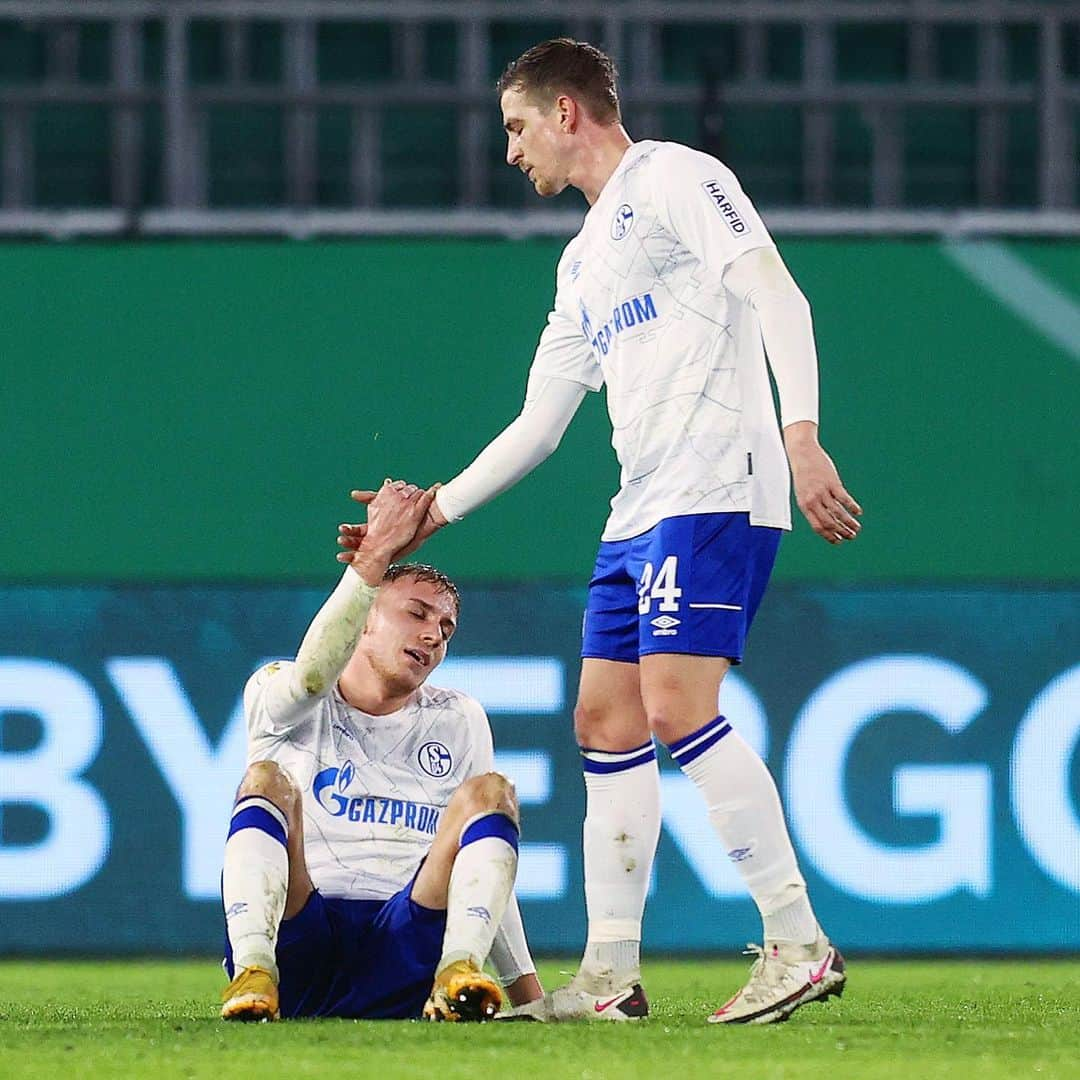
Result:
{"points": [[757, 986]]}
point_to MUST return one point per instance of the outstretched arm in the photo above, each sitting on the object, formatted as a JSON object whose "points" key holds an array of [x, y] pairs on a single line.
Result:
{"points": [[550, 405], [760, 279], [393, 517], [335, 630]]}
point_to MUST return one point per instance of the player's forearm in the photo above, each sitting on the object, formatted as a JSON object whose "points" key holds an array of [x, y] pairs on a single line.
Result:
{"points": [[281, 697], [800, 436], [530, 439], [760, 280], [508, 458], [788, 334], [335, 630]]}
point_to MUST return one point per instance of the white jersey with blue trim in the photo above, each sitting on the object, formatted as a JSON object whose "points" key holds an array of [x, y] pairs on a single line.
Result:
{"points": [[374, 787], [640, 307]]}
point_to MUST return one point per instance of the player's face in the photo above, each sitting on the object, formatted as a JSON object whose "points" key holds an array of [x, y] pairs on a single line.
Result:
{"points": [[535, 142], [407, 632]]}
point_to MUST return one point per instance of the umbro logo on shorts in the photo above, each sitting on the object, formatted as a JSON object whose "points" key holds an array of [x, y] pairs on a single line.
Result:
{"points": [[665, 625]]}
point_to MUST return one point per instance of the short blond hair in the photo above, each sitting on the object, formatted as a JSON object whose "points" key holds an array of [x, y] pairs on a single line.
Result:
{"points": [[424, 572]]}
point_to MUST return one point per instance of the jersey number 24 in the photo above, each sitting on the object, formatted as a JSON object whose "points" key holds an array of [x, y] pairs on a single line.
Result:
{"points": [[662, 587]]}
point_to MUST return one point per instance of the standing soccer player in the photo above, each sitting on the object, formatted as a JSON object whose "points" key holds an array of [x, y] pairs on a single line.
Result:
{"points": [[671, 295], [372, 851]]}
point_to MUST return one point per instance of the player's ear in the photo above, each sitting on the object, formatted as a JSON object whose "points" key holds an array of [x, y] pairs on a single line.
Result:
{"points": [[567, 109]]}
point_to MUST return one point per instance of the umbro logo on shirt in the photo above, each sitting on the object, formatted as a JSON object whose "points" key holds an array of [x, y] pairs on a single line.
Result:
{"points": [[727, 211]]}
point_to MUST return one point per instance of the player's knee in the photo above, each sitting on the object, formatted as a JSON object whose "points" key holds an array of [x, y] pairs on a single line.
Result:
{"points": [[271, 781], [591, 720], [667, 724], [607, 726], [490, 793]]}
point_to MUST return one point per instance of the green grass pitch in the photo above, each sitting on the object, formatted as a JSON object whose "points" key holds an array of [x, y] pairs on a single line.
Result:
{"points": [[908, 1020]]}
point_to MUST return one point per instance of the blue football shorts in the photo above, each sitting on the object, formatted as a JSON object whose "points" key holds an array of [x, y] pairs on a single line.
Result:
{"points": [[691, 584], [362, 959]]}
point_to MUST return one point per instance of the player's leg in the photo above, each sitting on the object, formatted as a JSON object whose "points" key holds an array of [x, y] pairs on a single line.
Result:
{"points": [[797, 964], [619, 836], [622, 801], [718, 566], [680, 695], [264, 880], [469, 871]]}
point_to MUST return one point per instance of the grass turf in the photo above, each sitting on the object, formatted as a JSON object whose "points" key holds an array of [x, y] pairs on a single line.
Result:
{"points": [[154, 1020]]}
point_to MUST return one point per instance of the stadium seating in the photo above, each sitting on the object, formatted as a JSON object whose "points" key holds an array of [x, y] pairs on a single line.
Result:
{"points": [[243, 132]]}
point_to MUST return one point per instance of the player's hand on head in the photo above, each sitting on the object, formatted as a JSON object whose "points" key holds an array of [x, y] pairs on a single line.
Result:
{"points": [[826, 504]]}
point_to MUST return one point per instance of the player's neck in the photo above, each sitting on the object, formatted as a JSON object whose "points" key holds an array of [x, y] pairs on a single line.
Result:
{"points": [[599, 159], [365, 689]]}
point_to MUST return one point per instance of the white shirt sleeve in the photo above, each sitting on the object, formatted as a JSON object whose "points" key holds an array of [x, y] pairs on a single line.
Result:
{"points": [[277, 696], [271, 684], [563, 351], [564, 367], [702, 204], [761, 280], [550, 404]]}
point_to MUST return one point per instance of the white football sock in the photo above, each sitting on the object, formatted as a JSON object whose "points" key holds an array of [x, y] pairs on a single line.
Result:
{"points": [[745, 811], [795, 923], [481, 882], [621, 830], [255, 882]]}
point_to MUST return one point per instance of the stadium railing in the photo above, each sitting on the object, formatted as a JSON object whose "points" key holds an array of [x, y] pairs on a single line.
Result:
{"points": [[299, 117]]}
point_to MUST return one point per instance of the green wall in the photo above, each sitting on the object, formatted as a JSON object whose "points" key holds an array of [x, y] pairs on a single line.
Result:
{"points": [[199, 410]]}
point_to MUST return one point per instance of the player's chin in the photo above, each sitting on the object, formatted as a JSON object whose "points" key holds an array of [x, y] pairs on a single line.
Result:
{"points": [[548, 189], [412, 676]]}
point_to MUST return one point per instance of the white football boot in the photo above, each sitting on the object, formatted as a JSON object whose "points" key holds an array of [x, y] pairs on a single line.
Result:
{"points": [[574, 1002], [783, 978]]}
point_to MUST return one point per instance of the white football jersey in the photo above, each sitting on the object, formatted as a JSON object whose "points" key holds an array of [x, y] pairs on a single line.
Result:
{"points": [[640, 307], [374, 787]]}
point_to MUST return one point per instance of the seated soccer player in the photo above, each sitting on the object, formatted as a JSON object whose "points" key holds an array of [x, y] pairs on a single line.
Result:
{"points": [[370, 861]]}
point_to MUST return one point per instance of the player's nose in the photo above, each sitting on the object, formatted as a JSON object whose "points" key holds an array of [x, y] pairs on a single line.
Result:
{"points": [[513, 152]]}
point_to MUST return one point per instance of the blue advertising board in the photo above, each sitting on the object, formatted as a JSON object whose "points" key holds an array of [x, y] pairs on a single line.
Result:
{"points": [[924, 742]]}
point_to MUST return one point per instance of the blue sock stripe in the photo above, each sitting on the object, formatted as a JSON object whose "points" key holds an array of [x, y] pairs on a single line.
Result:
{"points": [[691, 753], [591, 766], [258, 817], [679, 745], [493, 824], [614, 755], [266, 804]]}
